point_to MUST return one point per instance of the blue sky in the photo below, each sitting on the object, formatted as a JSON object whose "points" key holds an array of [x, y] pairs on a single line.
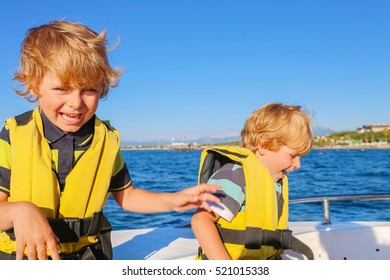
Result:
{"points": [[197, 68]]}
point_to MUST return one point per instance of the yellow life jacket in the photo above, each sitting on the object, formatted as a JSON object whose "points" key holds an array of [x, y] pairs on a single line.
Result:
{"points": [[86, 186], [242, 236]]}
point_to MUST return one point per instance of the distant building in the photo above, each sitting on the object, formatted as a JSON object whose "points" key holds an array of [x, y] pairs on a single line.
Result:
{"points": [[182, 145], [178, 144], [373, 128]]}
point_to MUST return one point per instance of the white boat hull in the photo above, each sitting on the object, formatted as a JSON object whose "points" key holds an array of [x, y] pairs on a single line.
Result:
{"points": [[336, 241], [344, 241]]}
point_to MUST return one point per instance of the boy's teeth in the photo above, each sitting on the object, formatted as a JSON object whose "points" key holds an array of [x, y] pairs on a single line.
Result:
{"points": [[71, 115]]}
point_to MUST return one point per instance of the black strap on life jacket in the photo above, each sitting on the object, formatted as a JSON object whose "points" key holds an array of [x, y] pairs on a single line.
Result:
{"points": [[254, 238], [71, 229]]}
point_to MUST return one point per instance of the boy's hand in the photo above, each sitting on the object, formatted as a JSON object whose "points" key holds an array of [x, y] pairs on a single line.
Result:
{"points": [[196, 197], [33, 231]]}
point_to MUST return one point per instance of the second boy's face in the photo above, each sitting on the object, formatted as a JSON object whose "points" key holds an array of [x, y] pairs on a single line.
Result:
{"points": [[280, 162], [68, 109]]}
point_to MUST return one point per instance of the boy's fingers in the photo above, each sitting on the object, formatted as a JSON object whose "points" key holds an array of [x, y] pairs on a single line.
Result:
{"points": [[206, 207], [209, 197], [42, 253], [31, 252], [210, 187], [20, 250], [52, 247]]}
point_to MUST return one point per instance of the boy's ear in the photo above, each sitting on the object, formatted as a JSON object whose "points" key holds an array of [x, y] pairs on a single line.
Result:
{"points": [[28, 85], [261, 149], [34, 92]]}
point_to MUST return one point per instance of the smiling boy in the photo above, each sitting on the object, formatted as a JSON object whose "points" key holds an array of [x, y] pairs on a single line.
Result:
{"points": [[60, 162], [253, 212]]}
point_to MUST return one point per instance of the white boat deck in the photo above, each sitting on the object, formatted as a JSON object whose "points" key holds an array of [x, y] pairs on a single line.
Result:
{"points": [[339, 241], [352, 240]]}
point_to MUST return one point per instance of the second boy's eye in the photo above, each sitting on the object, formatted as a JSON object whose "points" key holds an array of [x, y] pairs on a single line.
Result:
{"points": [[90, 91], [60, 90]]}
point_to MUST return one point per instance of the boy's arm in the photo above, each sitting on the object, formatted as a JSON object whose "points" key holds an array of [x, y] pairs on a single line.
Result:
{"points": [[31, 229], [203, 226], [143, 201]]}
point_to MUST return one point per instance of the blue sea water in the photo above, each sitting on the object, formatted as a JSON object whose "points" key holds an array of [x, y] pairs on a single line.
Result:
{"points": [[323, 172]]}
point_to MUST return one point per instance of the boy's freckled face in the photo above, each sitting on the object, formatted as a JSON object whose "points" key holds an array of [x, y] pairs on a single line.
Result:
{"points": [[68, 109], [280, 162]]}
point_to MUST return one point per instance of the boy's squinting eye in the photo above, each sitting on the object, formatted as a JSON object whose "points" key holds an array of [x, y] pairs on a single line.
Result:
{"points": [[84, 91], [90, 91], [60, 89]]}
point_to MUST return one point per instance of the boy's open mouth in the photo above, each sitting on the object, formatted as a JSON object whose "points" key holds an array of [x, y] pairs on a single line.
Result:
{"points": [[70, 116]]}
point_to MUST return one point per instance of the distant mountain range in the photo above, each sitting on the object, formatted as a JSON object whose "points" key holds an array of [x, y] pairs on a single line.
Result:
{"points": [[322, 131], [318, 131]]}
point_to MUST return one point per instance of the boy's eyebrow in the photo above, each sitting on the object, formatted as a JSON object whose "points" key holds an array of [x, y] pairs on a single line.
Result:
{"points": [[90, 89]]}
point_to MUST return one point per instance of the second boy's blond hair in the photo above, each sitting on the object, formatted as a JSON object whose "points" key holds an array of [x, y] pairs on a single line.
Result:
{"points": [[275, 125], [73, 52]]}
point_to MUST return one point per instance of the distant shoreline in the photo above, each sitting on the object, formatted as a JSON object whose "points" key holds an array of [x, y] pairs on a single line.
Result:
{"points": [[354, 147], [201, 147]]}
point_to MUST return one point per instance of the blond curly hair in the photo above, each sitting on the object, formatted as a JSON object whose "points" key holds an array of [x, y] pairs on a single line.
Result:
{"points": [[73, 52], [275, 125]]}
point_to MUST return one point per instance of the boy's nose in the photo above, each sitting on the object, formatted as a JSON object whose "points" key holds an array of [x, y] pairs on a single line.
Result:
{"points": [[297, 162], [75, 99]]}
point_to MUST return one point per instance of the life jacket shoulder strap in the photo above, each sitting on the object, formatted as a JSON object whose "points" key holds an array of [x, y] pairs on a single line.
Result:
{"points": [[214, 160], [107, 123], [24, 118]]}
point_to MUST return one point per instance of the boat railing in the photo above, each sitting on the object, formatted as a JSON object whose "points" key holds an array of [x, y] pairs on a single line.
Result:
{"points": [[326, 199]]}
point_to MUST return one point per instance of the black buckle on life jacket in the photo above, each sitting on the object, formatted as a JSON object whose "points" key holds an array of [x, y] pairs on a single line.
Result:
{"points": [[68, 229], [75, 225], [253, 238], [71, 229], [256, 237], [279, 238]]}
